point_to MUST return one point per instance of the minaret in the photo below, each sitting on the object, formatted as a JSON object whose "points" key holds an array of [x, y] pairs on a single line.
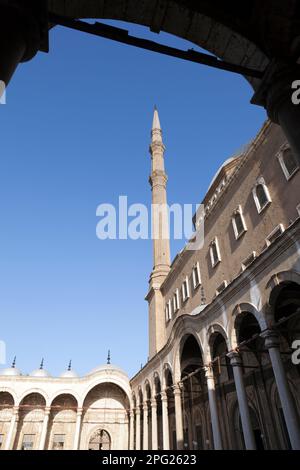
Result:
{"points": [[161, 239]]}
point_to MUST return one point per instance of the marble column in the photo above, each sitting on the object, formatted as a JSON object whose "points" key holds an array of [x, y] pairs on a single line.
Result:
{"points": [[178, 417], [11, 435], [44, 429], [272, 343], [145, 426], [77, 429], [131, 430], [236, 363], [154, 424], [138, 429], [213, 408], [276, 94], [165, 421]]}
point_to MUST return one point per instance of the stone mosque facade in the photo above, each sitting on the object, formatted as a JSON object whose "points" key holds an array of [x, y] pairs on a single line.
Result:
{"points": [[222, 323]]}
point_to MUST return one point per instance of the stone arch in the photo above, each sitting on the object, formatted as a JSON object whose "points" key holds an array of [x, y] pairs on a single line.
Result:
{"points": [[238, 310], [167, 369], [93, 432], [178, 351], [122, 384], [200, 27], [10, 392], [31, 415], [273, 287], [68, 392], [212, 331], [37, 391]]}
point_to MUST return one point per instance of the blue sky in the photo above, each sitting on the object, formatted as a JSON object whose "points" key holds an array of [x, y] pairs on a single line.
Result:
{"points": [[74, 134]]}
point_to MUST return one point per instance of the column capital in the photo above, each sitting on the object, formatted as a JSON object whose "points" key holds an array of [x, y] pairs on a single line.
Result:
{"points": [[79, 411], [153, 403], [209, 373], [137, 410], [276, 87], [235, 358], [47, 410], [145, 406], [177, 390], [271, 338], [164, 396], [16, 410]]}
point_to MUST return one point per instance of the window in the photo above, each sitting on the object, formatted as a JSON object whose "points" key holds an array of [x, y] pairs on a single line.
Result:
{"points": [[214, 253], [168, 311], [176, 301], [275, 234], [58, 442], [221, 287], [1, 440], [196, 276], [248, 260], [261, 195], [238, 223], [185, 289], [288, 162], [28, 440]]}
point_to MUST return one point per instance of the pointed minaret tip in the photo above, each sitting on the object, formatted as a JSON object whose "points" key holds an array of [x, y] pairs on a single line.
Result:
{"points": [[156, 121]]}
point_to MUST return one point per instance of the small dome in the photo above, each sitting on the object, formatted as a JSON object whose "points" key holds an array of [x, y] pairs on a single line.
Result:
{"points": [[69, 374], [11, 371], [40, 373], [104, 367]]}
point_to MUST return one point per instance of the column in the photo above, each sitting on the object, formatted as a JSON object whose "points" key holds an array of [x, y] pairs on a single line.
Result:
{"points": [[287, 402], [236, 363], [12, 429], [44, 429], [217, 437], [131, 430], [77, 429], [22, 32], [137, 429], [165, 421], [178, 417], [145, 425], [275, 95], [154, 424]]}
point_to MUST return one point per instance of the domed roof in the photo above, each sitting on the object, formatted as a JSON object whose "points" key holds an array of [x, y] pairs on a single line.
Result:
{"points": [[106, 367], [69, 373], [11, 371], [41, 372]]}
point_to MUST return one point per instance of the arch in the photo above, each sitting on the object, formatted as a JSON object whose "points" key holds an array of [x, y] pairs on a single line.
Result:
{"points": [[274, 286], [67, 392], [167, 374], [100, 438], [147, 390], [37, 391], [11, 392], [212, 332], [238, 310], [178, 352], [194, 24], [108, 379]]}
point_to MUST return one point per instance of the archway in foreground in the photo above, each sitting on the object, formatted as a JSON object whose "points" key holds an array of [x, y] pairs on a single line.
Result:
{"points": [[100, 440]]}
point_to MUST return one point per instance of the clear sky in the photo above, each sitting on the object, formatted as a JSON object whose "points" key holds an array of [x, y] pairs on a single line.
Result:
{"points": [[75, 133]]}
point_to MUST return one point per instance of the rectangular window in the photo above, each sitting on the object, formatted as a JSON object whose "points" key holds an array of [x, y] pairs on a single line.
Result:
{"points": [[176, 301], [185, 289], [58, 442], [221, 287], [168, 311], [196, 276], [28, 440], [1, 440], [274, 235], [248, 260], [214, 252]]}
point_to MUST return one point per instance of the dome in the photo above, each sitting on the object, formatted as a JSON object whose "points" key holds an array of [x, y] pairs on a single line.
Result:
{"points": [[69, 374], [11, 371], [106, 367], [40, 373]]}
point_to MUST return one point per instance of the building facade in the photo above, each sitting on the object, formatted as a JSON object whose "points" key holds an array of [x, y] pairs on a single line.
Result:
{"points": [[223, 322]]}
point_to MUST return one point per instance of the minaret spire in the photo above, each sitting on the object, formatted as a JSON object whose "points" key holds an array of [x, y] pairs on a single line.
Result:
{"points": [[161, 238]]}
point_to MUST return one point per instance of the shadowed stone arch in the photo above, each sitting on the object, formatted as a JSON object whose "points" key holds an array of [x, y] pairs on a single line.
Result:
{"points": [[178, 351], [273, 288], [209, 27], [212, 332], [239, 310]]}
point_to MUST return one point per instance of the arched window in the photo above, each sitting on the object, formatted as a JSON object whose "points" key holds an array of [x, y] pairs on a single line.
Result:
{"points": [[238, 222], [214, 253], [288, 162], [100, 440], [261, 195]]}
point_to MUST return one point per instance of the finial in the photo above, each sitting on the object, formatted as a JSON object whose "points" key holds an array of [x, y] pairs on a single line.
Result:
{"points": [[42, 364], [70, 365], [156, 121], [108, 357], [14, 362]]}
